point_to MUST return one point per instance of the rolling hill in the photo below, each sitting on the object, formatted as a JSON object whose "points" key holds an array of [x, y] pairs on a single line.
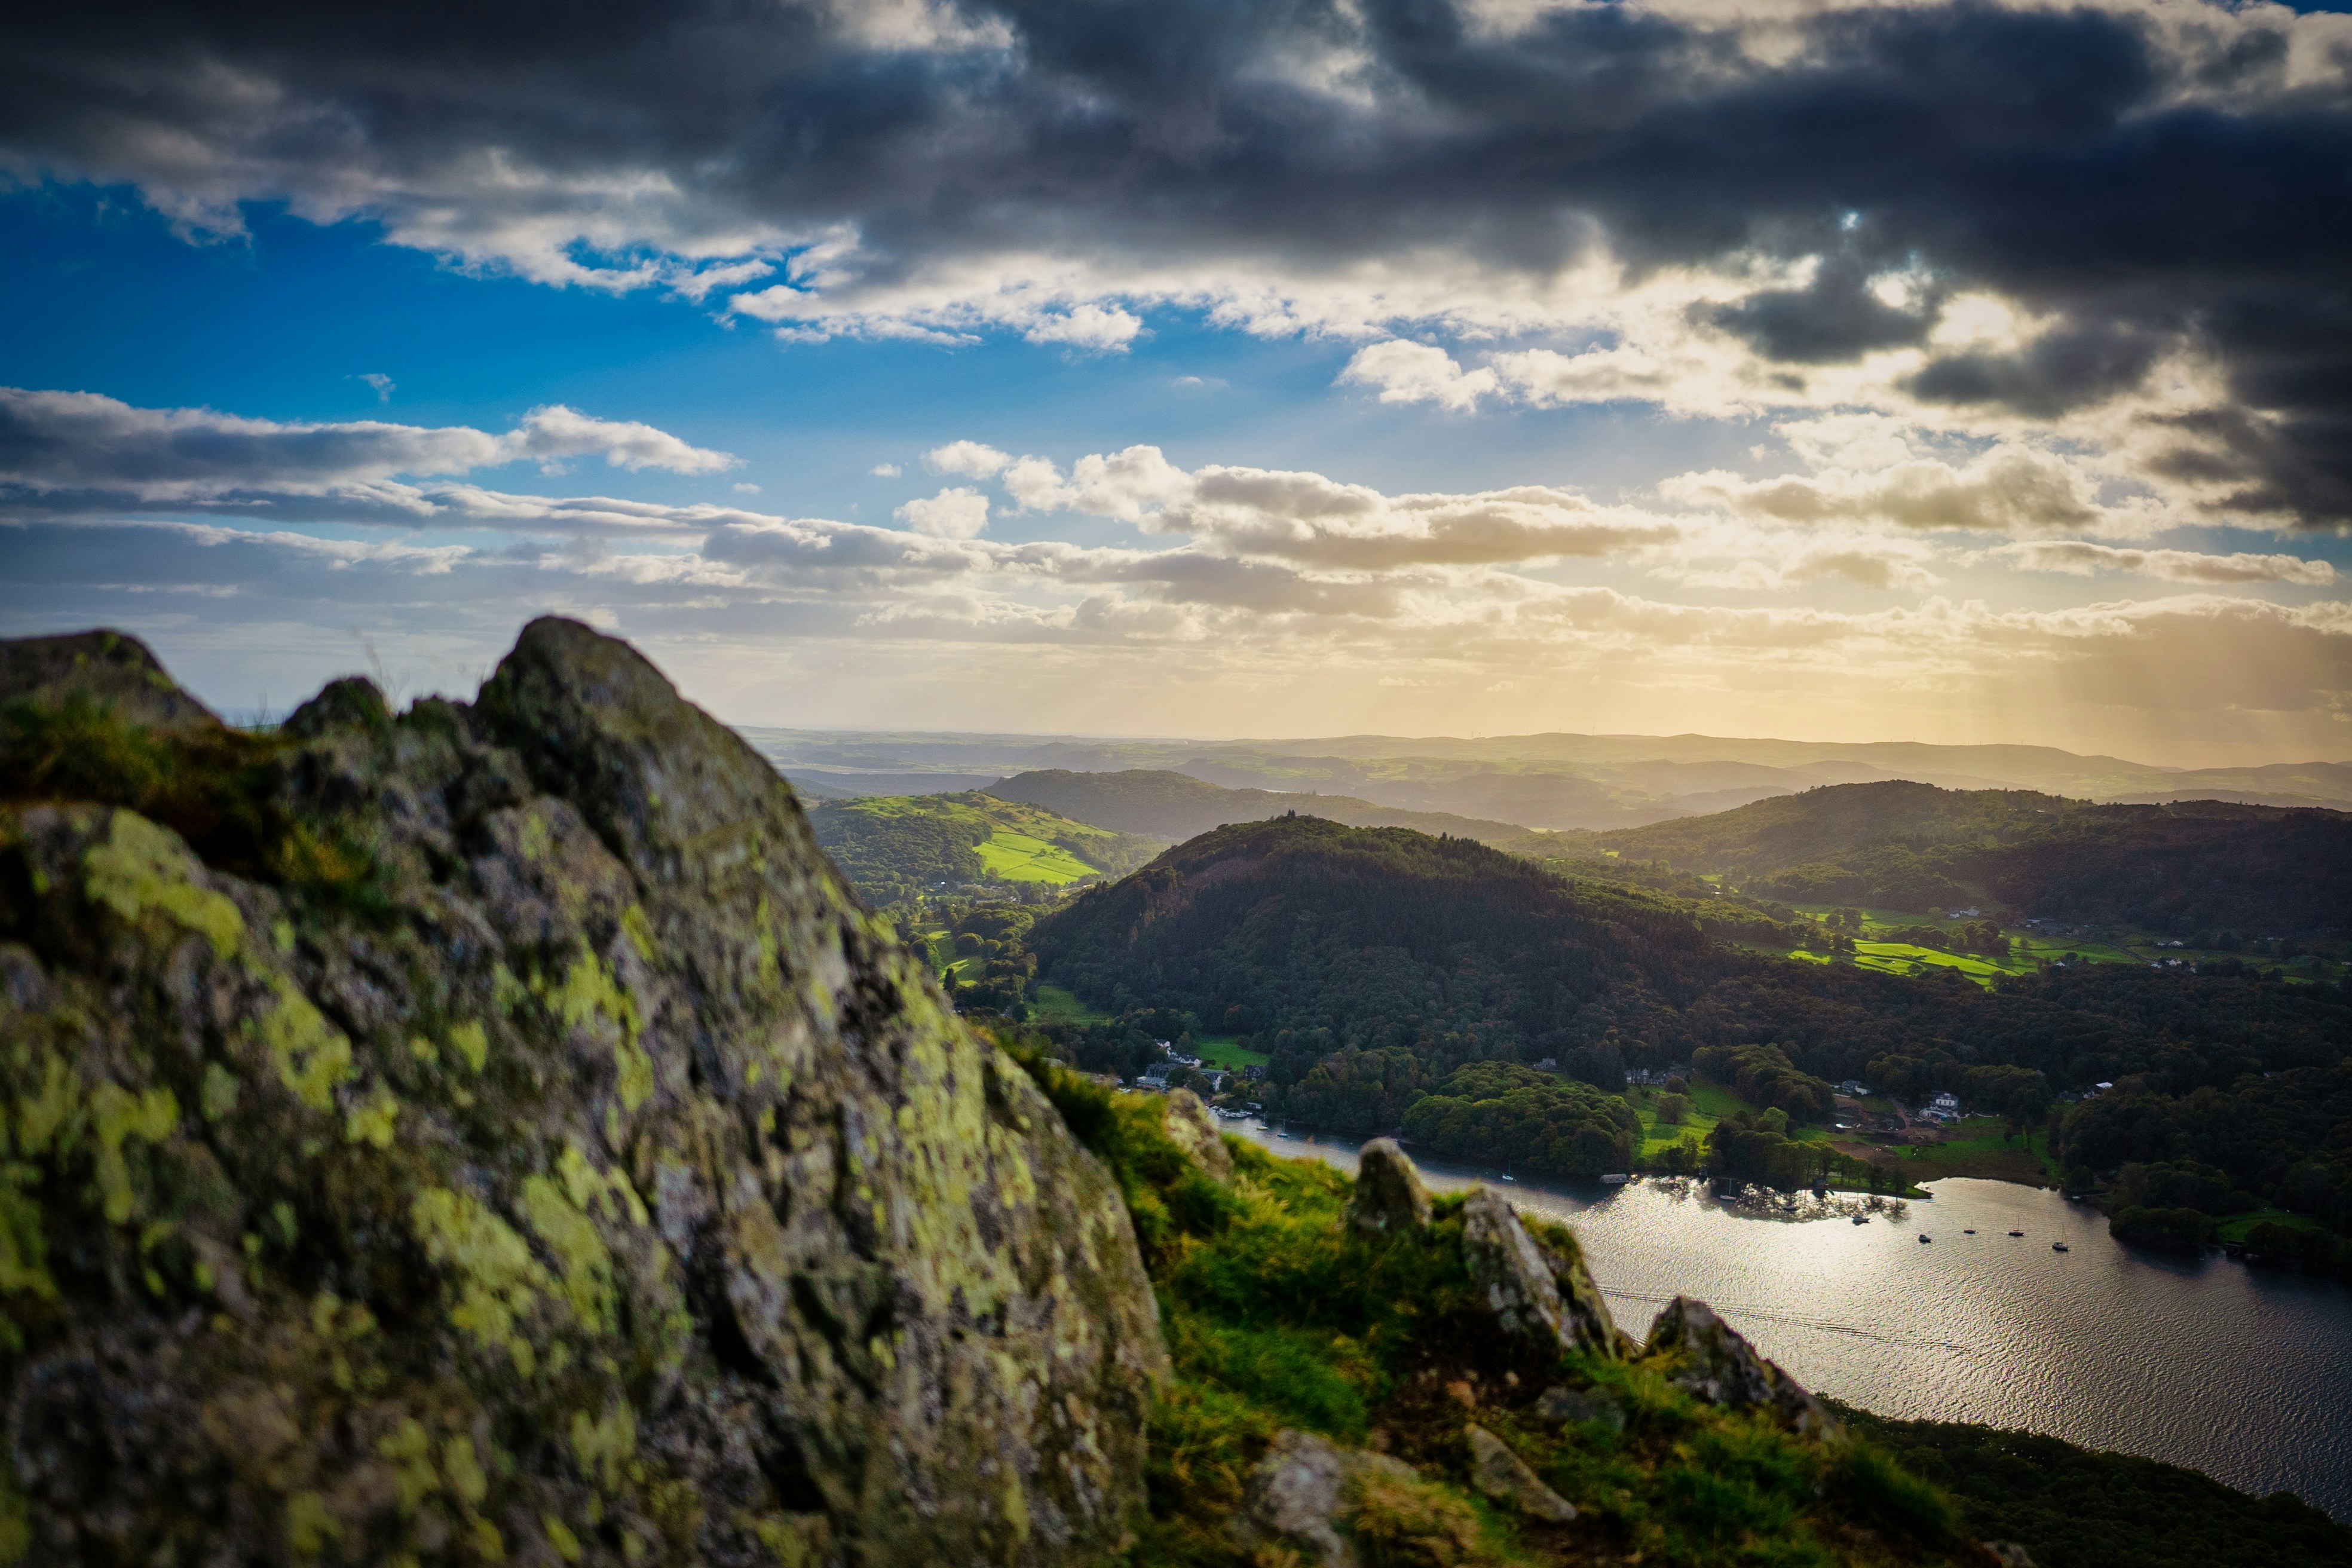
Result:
{"points": [[2179, 867], [895, 847], [1169, 804]]}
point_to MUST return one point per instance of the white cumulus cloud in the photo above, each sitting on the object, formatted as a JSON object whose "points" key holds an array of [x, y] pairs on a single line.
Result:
{"points": [[960, 513]]}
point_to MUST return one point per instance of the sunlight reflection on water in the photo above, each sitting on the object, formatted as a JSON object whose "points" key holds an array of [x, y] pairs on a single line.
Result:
{"points": [[2239, 1372]]}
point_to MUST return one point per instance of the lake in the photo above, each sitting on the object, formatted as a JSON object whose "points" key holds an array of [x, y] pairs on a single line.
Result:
{"points": [[2239, 1372]]}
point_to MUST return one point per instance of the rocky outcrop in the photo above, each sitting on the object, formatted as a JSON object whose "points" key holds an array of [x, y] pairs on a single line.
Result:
{"points": [[1540, 1297], [1194, 1130], [1503, 1475], [493, 1134], [1311, 1501], [1706, 1356], [1389, 1197]]}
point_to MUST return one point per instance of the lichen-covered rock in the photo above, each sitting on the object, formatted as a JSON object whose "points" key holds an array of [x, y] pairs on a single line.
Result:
{"points": [[1539, 1296], [1706, 1356], [1502, 1475], [1390, 1196], [534, 1155], [1194, 1130], [1305, 1493]]}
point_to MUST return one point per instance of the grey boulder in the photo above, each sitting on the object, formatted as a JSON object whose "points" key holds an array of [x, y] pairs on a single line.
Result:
{"points": [[1390, 1196]]}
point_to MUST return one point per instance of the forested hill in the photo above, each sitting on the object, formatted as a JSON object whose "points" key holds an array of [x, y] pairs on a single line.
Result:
{"points": [[2181, 867], [1373, 965], [1381, 936], [1168, 805]]}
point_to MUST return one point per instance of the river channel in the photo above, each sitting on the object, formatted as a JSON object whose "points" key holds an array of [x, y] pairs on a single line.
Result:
{"points": [[2243, 1373]]}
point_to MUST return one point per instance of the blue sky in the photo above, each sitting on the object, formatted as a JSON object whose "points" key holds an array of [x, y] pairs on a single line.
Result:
{"points": [[1410, 405]]}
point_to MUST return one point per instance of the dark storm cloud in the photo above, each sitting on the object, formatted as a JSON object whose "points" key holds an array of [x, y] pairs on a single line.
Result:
{"points": [[2137, 172], [1833, 320]]}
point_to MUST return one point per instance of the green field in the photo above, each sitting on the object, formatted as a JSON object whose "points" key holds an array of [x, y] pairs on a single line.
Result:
{"points": [[1054, 1005], [1226, 1051], [1017, 858], [2235, 1227], [1979, 1150], [2027, 952], [1709, 1103], [904, 848]]}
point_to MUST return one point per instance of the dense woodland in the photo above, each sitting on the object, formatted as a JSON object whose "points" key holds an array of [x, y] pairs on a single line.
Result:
{"points": [[1373, 966], [2260, 871]]}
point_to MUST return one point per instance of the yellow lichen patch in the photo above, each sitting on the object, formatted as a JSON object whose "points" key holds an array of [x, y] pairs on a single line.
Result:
{"points": [[117, 1114], [467, 1480], [587, 1187], [424, 1050], [488, 1544], [218, 1096], [587, 1265], [41, 1117], [141, 866], [308, 1525], [590, 992], [497, 1278], [311, 1056], [24, 1243], [535, 839], [639, 930], [560, 1536], [471, 1041], [604, 1447], [374, 1120], [507, 993], [410, 1451]]}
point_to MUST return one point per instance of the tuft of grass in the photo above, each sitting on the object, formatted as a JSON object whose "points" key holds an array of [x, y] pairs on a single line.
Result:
{"points": [[1871, 1482], [219, 789]]}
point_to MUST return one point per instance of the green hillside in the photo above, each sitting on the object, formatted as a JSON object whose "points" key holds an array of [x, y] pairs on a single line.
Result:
{"points": [[898, 847], [1167, 805], [2179, 869]]}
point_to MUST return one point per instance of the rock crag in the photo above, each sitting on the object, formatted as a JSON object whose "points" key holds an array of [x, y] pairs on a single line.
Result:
{"points": [[493, 1134]]}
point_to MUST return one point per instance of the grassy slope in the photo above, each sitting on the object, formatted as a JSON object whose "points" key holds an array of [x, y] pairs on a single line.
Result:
{"points": [[1020, 857], [1278, 1316], [1058, 1005], [1227, 1051], [898, 835], [1980, 1152]]}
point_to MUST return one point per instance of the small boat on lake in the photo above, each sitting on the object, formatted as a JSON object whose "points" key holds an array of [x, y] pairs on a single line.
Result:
{"points": [[1862, 1220], [2057, 1246], [1967, 1233], [1616, 1179], [1925, 1239], [2017, 1233]]}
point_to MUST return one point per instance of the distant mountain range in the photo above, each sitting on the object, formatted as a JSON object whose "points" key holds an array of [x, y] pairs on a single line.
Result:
{"points": [[1550, 780], [1173, 806], [2178, 868]]}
